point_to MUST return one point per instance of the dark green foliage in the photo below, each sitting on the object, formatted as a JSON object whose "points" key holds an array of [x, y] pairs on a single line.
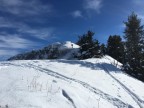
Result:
{"points": [[134, 34], [115, 47], [103, 49], [95, 51], [88, 46], [53, 53]]}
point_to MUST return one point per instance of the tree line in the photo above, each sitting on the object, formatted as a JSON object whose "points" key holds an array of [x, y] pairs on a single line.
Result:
{"points": [[129, 51]]}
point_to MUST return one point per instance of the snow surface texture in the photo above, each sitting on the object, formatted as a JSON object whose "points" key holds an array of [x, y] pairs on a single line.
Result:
{"points": [[92, 83]]}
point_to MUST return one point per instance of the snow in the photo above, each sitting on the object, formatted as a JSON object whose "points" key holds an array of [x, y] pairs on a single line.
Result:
{"points": [[91, 83], [69, 48], [68, 45]]}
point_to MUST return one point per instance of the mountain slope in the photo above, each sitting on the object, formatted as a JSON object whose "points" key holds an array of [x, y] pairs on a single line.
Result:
{"points": [[65, 50], [92, 83]]}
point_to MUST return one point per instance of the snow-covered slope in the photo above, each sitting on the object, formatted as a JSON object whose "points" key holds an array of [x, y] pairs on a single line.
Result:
{"points": [[92, 83]]}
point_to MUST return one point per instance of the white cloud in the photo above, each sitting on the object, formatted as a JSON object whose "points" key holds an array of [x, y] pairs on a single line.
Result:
{"points": [[11, 45], [5, 54], [93, 5], [77, 14], [14, 41], [8, 52], [24, 7], [40, 33], [11, 2], [5, 22]]}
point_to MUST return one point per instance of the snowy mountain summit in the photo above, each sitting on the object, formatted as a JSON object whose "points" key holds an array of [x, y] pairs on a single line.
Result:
{"points": [[91, 83], [57, 50], [68, 45]]}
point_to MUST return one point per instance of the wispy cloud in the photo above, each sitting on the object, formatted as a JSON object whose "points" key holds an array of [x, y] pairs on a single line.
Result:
{"points": [[22, 28], [16, 33], [94, 5], [14, 41], [77, 14], [40, 33], [24, 7], [11, 24], [11, 44], [4, 53]]}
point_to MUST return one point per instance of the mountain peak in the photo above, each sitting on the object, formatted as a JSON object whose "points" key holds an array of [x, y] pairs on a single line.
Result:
{"points": [[57, 50]]}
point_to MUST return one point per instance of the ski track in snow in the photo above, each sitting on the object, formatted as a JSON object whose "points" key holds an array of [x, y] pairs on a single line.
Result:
{"points": [[115, 101], [133, 95]]}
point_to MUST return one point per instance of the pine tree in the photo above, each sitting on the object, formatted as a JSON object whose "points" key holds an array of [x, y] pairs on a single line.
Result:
{"points": [[88, 46], [115, 47], [95, 50], [103, 49], [134, 47]]}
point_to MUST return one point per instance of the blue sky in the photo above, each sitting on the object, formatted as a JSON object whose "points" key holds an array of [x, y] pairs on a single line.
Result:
{"points": [[32, 24]]}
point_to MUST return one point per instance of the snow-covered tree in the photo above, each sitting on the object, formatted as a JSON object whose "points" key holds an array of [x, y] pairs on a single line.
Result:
{"points": [[134, 34]]}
